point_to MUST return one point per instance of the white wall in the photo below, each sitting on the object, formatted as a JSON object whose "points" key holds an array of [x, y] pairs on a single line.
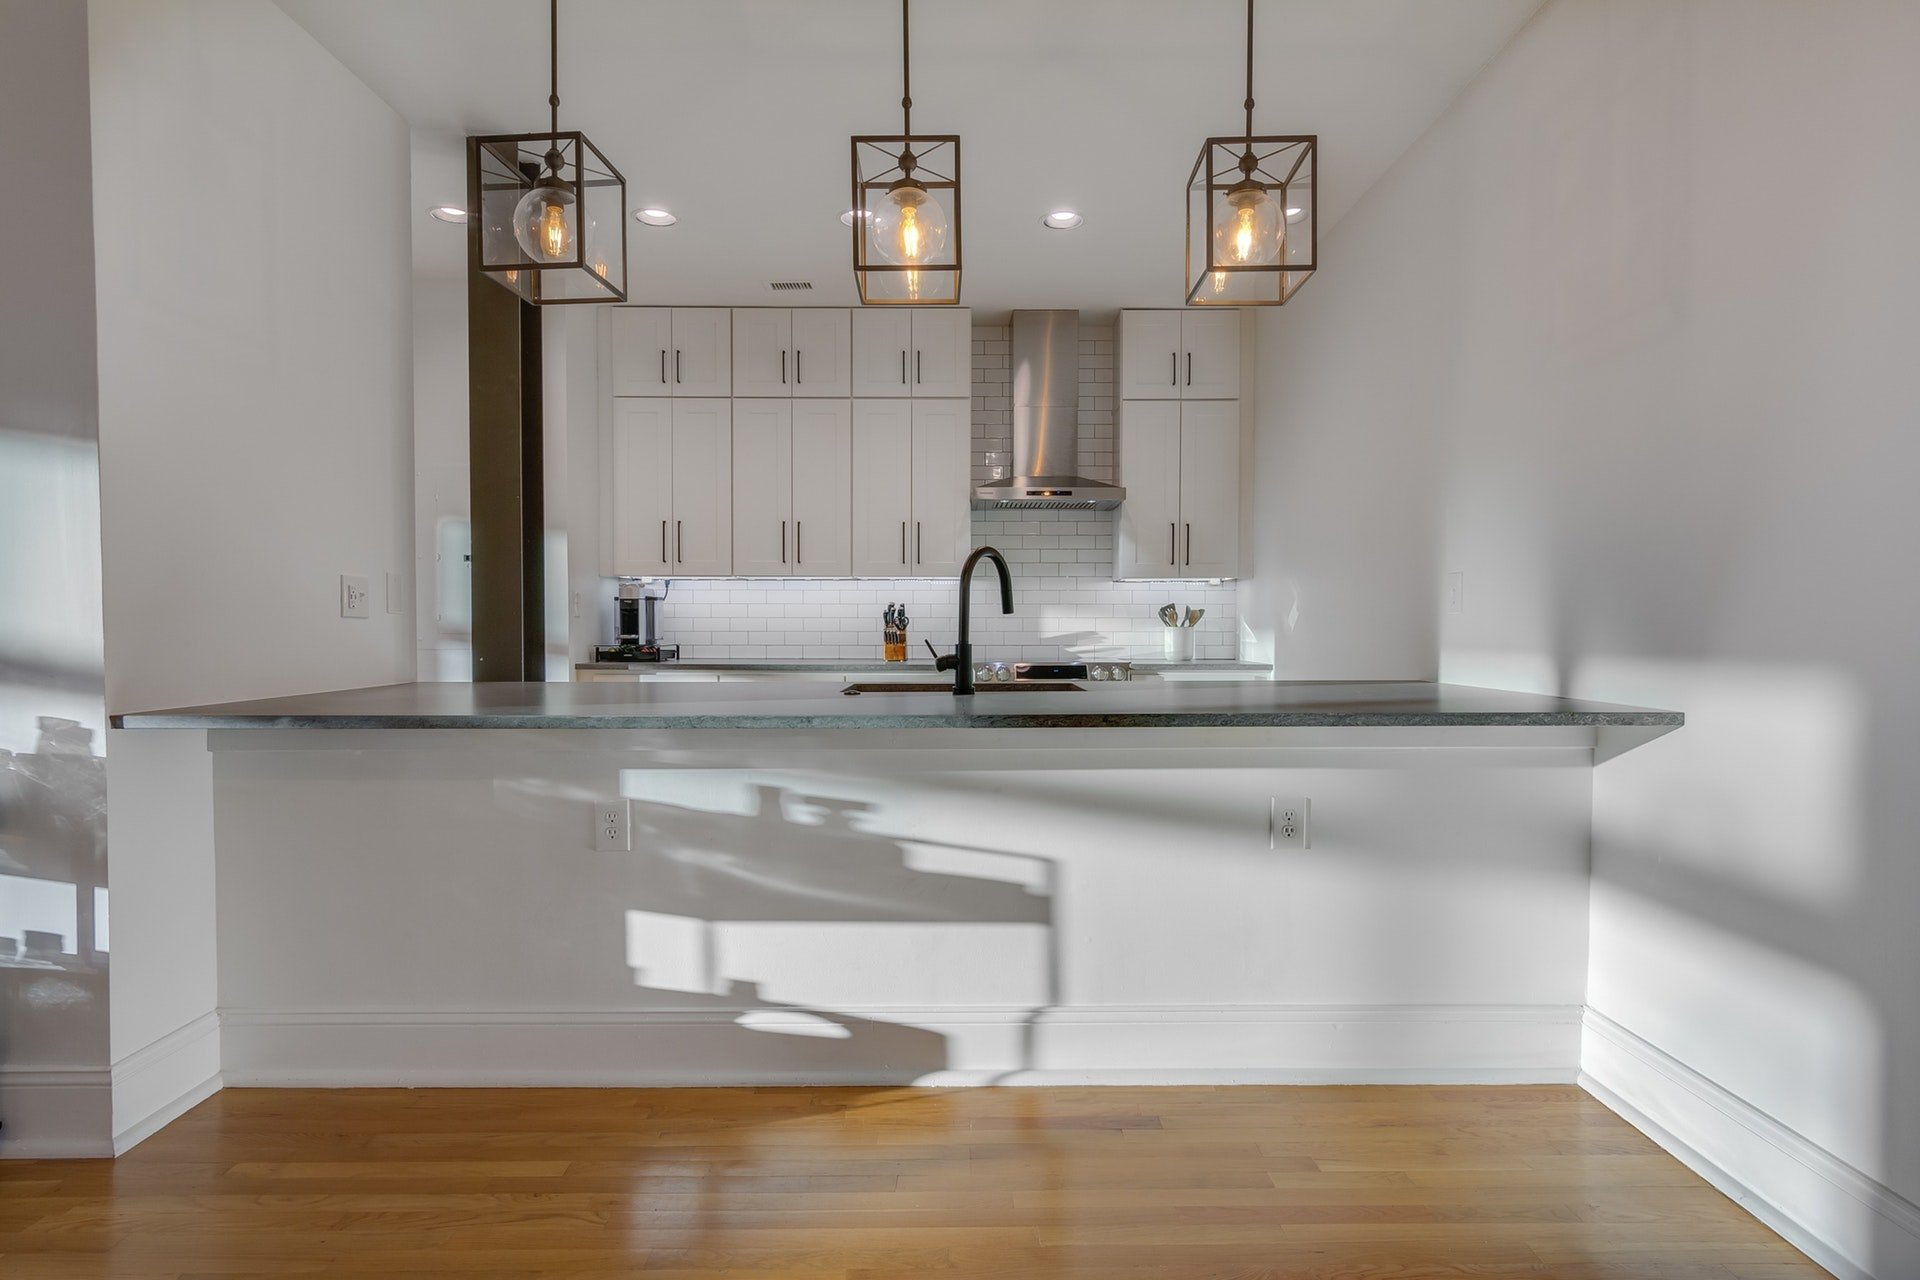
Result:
{"points": [[965, 907], [1628, 341], [54, 1096], [251, 206]]}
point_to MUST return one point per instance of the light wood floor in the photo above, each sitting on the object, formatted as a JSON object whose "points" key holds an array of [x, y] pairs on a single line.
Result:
{"points": [[806, 1184]]}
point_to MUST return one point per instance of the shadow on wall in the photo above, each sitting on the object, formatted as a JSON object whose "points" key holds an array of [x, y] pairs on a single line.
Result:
{"points": [[728, 897]]}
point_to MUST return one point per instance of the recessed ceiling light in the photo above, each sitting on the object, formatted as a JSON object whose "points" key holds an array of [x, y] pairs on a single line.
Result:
{"points": [[655, 217], [448, 213], [1062, 220], [846, 219]]}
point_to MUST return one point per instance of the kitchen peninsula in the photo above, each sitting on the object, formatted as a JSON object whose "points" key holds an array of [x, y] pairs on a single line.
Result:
{"points": [[758, 883]]}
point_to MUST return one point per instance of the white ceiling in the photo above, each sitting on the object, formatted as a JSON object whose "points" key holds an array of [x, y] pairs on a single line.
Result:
{"points": [[735, 114]]}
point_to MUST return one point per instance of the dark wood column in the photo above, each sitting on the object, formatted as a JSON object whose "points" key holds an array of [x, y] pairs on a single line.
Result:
{"points": [[504, 438]]}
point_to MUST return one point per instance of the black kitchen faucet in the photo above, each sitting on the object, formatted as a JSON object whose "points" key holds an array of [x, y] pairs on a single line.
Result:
{"points": [[960, 661]]}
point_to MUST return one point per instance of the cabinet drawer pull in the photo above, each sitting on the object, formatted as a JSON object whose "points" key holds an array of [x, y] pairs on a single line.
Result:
{"points": [[1189, 544], [1173, 542], [919, 557], [663, 366], [903, 536], [676, 364], [663, 542], [797, 558], [783, 542], [1189, 368], [916, 368], [798, 376], [1173, 368], [783, 368], [903, 378], [679, 542]]}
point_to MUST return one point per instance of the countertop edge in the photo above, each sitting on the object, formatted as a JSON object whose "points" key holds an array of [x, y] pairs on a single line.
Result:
{"points": [[1009, 720]]}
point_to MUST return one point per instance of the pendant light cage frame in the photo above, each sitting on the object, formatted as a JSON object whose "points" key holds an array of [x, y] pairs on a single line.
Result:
{"points": [[503, 168], [1284, 165], [877, 166]]}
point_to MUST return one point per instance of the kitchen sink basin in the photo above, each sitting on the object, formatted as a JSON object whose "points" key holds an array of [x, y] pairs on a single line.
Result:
{"points": [[1024, 686]]}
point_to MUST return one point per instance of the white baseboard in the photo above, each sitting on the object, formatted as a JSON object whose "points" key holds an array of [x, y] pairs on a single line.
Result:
{"points": [[55, 1113], [1425, 1044], [1847, 1221], [155, 1085]]}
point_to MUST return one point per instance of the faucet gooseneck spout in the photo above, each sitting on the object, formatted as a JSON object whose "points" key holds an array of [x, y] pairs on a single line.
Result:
{"points": [[960, 661]]}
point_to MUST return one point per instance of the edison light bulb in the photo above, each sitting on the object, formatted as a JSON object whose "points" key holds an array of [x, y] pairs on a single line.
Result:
{"points": [[1254, 231], [543, 221], [909, 227]]}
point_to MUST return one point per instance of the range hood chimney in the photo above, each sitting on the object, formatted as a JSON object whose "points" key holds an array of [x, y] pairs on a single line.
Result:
{"points": [[1046, 423]]}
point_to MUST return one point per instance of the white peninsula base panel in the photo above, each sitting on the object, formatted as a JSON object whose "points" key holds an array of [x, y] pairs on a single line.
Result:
{"points": [[427, 907]]}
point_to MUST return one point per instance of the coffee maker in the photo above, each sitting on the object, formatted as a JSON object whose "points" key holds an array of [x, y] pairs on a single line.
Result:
{"points": [[633, 640]]}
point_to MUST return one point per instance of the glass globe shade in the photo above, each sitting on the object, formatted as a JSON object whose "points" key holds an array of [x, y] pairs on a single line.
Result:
{"points": [[909, 227], [1252, 231], [544, 222]]}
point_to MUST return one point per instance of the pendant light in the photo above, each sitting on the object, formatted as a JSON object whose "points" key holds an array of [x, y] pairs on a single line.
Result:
{"points": [[1250, 214], [906, 208], [551, 209]]}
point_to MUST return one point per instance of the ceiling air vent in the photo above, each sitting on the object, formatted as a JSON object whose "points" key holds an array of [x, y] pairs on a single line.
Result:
{"points": [[790, 286]]}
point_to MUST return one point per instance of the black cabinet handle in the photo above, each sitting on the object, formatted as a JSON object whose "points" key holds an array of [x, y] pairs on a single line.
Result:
{"points": [[1189, 368], [916, 368], [1189, 544], [783, 368], [797, 557], [903, 542], [783, 542], [797, 375], [903, 382], [918, 556], [679, 542], [676, 364], [1173, 368], [1173, 542], [663, 366], [663, 542]]}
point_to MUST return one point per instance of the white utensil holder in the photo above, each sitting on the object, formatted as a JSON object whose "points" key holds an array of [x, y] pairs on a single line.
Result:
{"points": [[1179, 643]]}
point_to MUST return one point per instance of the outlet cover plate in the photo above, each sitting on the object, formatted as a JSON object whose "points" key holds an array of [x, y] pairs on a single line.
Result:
{"points": [[353, 596], [612, 826], [1288, 822]]}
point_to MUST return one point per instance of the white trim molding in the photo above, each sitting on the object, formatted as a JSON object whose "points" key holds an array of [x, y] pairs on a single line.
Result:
{"points": [[158, 1083], [1289, 1044], [1847, 1221], [55, 1113]]}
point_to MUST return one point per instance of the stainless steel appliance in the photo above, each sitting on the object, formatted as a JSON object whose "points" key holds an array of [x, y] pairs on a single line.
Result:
{"points": [[1046, 423], [1017, 672], [634, 641]]}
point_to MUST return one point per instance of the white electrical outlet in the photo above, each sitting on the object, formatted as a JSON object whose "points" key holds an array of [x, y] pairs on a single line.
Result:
{"points": [[353, 596], [612, 829], [1287, 819], [1456, 592]]}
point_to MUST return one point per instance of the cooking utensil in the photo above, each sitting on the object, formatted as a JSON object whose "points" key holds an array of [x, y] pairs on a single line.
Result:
{"points": [[1193, 617], [1169, 615]]}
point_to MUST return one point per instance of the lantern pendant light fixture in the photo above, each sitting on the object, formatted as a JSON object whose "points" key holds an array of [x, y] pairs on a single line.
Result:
{"points": [[1250, 214], [549, 208], [906, 208]]}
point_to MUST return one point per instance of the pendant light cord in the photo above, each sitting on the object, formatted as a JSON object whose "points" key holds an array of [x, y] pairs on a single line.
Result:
{"points": [[553, 61], [1249, 102], [906, 71]]}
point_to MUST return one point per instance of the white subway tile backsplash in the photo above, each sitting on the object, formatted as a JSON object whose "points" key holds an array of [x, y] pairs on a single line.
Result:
{"points": [[1065, 601]]}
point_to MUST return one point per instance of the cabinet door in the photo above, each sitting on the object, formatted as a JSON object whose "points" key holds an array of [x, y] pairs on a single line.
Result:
{"points": [[1209, 489], [703, 488], [1149, 348], [702, 361], [1148, 530], [822, 488], [943, 353], [642, 491], [882, 351], [762, 483], [942, 484], [1210, 355], [642, 350], [882, 492], [762, 352], [822, 365]]}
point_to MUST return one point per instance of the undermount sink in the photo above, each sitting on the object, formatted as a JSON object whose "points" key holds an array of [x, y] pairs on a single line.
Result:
{"points": [[1025, 686]]}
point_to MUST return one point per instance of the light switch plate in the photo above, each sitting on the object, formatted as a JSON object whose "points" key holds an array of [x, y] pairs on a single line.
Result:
{"points": [[353, 597]]}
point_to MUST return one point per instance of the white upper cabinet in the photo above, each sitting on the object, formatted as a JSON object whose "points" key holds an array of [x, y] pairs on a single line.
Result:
{"points": [[1147, 528], [642, 350], [1179, 355], [942, 474], [671, 351], [911, 352], [639, 496], [822, 488], [703, 487], [804, 352], [822, 353], [1181, 466], [882, 352], [762, 487], [882, 489], [762, 351]]}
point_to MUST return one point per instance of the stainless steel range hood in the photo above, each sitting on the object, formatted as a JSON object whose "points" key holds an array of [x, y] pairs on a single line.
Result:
{"points": [[1046, 423]]}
